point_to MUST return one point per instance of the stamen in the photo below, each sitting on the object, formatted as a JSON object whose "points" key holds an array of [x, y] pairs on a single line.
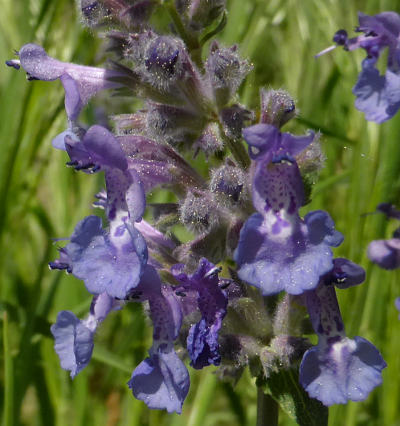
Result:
{"points": [[328, 49]]}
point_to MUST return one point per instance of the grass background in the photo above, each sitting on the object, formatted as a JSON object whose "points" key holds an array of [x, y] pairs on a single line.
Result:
{"points": [[41, 199]]}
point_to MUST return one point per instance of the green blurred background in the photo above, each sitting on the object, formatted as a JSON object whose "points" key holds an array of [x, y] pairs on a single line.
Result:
{"points": [[41, 199]]}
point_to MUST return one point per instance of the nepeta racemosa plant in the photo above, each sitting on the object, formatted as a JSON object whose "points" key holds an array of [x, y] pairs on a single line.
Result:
{"points": [[251, 255]]}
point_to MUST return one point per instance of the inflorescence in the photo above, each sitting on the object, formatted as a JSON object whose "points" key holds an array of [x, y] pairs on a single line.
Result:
{"points": [[249, 239]]}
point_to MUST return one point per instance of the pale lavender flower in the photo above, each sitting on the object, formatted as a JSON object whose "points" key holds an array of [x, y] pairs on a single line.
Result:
{"points": [[161, 380], [111, 262], [80, 82], [385, 253], [378, 96], [74, 337], [338, 369], [277, 249]]}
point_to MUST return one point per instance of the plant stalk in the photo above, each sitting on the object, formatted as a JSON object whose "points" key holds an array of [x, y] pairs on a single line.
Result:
{"points": [[267, 409]]}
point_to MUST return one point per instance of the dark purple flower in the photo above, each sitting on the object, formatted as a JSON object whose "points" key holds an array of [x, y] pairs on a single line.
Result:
{"points": [[277, 249], [338, 369], [345, 273], [378, 96], [161, 380], [74, 337], [202, 341], [111, 262], [385, 253], [80, 82]]}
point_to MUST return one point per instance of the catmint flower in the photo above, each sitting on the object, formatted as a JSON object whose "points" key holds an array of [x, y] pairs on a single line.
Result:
{"points": [[378, 96], [107, 261], [385, 253], [397, 305], [74, 337], [338, 369], [80, 82], [161, 380], [202, 341], [278, 250]]}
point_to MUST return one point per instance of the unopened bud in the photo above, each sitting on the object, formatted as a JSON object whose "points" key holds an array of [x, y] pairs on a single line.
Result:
{"points": [[198, 213], [173, 124], [277, 107], [203, 12], [226, 71], [233, 120], [229, 182], [163, 61]]}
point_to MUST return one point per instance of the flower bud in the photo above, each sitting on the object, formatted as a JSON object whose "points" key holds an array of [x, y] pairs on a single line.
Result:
{"points": [[226, 71], [172, 124], [277, 107], [229, 183], [282, 352], [233, 119], [198, 212], [210, 141], [200, 13], [93, 12], [312, 159]]}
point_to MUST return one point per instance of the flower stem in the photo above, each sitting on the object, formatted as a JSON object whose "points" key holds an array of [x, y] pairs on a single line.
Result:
{"points": [[267, 409], [191, 41]]}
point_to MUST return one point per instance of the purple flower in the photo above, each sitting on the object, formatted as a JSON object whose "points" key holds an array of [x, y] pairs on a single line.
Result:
{"points": [[277, 249], [202, 341], [161, 380], [98, 150], [378, 96], [397, 304], [111, 262], [338, 369], [80, 82], [385, 253], [74, 337]]}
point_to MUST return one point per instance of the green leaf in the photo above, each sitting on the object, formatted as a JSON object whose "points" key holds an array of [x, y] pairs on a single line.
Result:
{"points": [[103, 355], [285, 388]]}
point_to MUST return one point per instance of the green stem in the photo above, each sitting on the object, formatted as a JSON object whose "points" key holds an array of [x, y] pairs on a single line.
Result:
{"points": [[192, 42], [267, 409], [237, 150], [8, 376]]}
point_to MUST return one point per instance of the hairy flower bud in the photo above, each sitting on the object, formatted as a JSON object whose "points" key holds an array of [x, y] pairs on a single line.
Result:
{"points": [[233, 119], [210, 141], [93, 12], [226, 71], [172, 124], [198, 212], [200, 13], [277, 107], [229, 183]]}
